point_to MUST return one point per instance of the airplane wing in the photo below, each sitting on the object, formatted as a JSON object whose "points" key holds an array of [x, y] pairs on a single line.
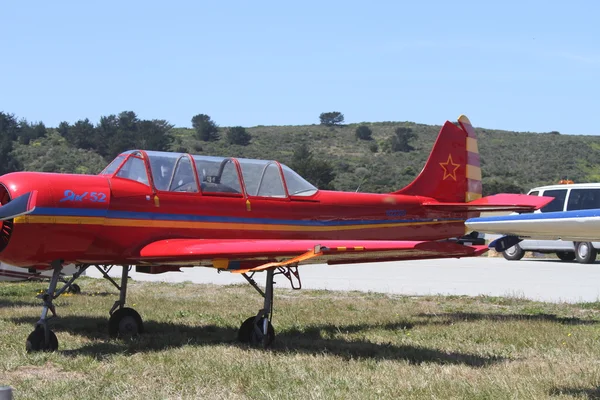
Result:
{"points": [[255, 255], [498, 202]]}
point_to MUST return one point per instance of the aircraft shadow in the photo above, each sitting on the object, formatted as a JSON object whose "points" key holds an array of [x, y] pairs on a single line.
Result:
{"points": [[16, 303], [586, 393], [160, 336], [451, 318]]}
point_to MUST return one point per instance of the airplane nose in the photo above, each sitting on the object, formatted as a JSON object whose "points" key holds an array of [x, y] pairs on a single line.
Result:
{"points": [[6, 227], [22, 205]]}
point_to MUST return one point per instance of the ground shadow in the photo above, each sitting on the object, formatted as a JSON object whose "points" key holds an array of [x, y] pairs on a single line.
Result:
{"points": [[16, 303], [315, 340], [451, 318], [589, 393]]}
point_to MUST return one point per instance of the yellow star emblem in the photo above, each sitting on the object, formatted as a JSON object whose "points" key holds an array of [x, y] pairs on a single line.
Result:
{"points": [[449, 168]]}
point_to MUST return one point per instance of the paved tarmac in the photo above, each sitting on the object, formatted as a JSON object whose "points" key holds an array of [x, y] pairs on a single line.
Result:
{"points": [[537, 279]]}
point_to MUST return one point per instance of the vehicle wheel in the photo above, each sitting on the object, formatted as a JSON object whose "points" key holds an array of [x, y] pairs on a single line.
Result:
{"points": [[36, 341], [125, 322], [585, 252], [565, 255], [513, 253], [247, 333], [74, 288]]}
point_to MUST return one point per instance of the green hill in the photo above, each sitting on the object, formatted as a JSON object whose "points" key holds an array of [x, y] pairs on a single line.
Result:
{"points": [[511, 161]]}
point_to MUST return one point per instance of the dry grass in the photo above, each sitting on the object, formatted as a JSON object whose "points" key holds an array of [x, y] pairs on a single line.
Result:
{"points": [[330, 345]]}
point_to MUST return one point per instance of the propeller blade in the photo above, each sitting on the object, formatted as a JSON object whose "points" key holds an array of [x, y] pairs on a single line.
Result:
{"points": [[22, 205]]}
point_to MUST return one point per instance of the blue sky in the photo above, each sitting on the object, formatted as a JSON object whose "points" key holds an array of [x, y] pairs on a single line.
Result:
{"points": [[515, 65]]}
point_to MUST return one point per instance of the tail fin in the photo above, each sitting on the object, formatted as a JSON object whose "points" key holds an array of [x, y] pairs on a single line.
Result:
{"points": [[452, 172]]}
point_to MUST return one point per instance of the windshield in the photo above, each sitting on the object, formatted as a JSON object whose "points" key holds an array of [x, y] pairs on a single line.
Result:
{"points": [[175, 172], [297, 185]]}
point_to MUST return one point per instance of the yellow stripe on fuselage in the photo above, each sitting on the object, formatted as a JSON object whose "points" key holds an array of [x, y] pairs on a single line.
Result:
{"points": [[144, 223]]}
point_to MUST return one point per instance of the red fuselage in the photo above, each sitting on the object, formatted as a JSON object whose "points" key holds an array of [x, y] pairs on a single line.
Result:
{"points": [[107, 220]]}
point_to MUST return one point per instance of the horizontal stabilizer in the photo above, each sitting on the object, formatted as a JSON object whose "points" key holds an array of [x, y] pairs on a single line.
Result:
{"points": [[22, 205], [498, 202]]}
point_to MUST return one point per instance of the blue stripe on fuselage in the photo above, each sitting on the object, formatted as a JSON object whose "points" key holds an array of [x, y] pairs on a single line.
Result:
{"points": [[88, 212]]}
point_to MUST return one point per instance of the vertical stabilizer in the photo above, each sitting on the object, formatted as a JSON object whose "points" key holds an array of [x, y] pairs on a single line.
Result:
{"points": [[453, 171]]}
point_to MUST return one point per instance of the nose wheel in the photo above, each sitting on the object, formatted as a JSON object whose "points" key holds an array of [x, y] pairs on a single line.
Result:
{"points": [[42, 338]]}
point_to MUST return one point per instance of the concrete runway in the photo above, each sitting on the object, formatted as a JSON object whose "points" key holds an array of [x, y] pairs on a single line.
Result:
{"points": [[537, 279]]}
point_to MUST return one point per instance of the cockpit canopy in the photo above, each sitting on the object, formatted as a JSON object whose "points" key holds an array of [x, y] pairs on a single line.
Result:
{"points": [[180, 172]]}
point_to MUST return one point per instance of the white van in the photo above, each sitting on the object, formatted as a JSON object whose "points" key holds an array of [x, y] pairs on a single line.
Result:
{"points": [[567, 197]]}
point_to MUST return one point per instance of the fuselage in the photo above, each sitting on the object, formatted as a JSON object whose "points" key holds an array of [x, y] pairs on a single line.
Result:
{"points": [[106, 219]]}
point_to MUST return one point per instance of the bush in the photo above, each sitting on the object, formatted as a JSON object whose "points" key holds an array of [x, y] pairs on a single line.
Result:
{"points": [[399, 141], [363, 132], [238, 135]]}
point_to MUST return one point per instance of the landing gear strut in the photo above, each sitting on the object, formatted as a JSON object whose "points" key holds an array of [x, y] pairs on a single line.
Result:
{"points": [[258, 330], [124, 321], [42, 338]]}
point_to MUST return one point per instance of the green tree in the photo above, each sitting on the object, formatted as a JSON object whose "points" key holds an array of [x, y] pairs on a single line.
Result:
{"points": [[318, 172], [331, 118], [126, 136], [205, 128], [29, 132], [105, 131], [238, 135], [154, 135], [363, 132], [9, 131], [81, 134], [400, 141], [494, 186]]}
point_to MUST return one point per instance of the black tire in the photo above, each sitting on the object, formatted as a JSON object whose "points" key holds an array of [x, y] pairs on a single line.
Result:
{"points": [[514, 253], [125, 322], [74, 288], [247, 334], [36, 341], [585, 252], [565, 255]]}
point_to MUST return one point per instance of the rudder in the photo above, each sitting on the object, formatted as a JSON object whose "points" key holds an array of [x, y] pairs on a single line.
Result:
{"points": [[453, 170]]}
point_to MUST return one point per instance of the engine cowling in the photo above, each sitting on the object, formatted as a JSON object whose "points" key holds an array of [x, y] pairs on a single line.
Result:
{"points": [[61, 219]]}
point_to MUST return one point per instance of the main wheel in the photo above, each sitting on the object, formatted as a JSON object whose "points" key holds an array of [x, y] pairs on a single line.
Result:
{"points": [[125, 322], [514, 253], [585, 252], [247, 333], [565, 255], [36, 341], [74, 289]]}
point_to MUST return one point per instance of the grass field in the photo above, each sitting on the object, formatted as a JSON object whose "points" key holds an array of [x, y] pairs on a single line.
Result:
{"points": [[330, 345]]}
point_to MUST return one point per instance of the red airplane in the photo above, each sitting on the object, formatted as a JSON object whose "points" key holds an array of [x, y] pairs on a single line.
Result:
{"points": [[161, 211]]}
